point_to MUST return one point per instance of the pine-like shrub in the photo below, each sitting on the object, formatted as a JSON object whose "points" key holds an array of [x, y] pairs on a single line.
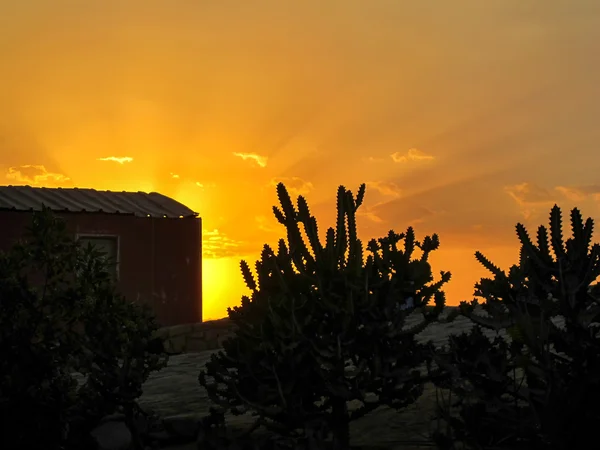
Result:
{"points": [[536, 385], [60, 315], [325, 326]]}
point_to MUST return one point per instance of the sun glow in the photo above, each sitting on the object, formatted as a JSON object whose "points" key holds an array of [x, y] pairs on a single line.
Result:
{"points": [[117, 96], [220, 287]]}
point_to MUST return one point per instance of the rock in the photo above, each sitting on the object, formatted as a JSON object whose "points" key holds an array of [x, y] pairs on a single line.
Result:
{"points": [[112, 435], [182, 427], [175, 430], [146, 421], [162, 437], [116, 417]]}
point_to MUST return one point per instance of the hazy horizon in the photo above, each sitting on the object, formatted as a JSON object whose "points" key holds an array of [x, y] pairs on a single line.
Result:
{"points": [[463, 119]]}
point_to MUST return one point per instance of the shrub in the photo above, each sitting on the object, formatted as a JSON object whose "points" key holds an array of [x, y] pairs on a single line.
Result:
{"points": [[59, 315], [325, 326], [537, 384]]}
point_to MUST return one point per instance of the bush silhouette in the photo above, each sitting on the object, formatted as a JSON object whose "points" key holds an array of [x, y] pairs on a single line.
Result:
{"points": [[59, 315], [536, 385], [325, 326]]}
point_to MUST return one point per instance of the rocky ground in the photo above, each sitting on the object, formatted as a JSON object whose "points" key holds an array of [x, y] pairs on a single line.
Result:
{"points": [[174, 393], [179, 402]]}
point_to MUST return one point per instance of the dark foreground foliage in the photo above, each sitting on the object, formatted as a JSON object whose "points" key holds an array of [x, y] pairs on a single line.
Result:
{"points": [[325, 326], [536, 386], [60, 314]]}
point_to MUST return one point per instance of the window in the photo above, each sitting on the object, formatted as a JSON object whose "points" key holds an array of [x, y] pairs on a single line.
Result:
{"points": [[108, 246]]}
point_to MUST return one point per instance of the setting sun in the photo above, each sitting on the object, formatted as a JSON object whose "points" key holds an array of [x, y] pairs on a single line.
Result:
{"points": [[461, 124], [222, 286]]}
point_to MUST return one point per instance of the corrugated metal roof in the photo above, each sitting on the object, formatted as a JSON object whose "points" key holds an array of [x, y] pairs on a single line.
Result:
{"points": [[142, 204]]}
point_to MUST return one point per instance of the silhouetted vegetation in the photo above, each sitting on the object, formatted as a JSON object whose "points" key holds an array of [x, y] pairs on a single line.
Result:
{"points": [[537, 386], [321, 341], [325, 326], [59, 315]]}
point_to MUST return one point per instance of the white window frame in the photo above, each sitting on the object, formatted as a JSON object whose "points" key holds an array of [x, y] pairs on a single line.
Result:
{"points": [[116, 237]]}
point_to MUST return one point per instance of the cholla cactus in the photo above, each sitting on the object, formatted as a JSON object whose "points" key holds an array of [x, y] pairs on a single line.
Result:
{"points": [[324, 325]]}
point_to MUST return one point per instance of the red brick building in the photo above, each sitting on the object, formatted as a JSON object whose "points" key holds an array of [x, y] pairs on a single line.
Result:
{"points": [[155, 241]]}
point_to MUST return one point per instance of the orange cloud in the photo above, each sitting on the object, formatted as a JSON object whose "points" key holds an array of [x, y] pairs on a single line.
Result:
{"points": [[388, 188], [117, 159], [373, 159], [369, 215], [294, 185], [413, 154], [258, 159], [578, 194], [398, 211], [267, 224], [531, 198], [217, 245], [292, 109], [205, 185], [34, 174]]}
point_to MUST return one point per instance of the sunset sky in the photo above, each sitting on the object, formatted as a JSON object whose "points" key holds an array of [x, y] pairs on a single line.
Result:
{"points": [[463, 117]]}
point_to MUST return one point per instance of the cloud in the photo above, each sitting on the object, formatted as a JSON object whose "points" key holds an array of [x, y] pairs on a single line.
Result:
{"points": [[369, 215], [373, 159], [180, 179], [205, 185], [294, 185], [525, 193], [579, 193], [398, 211], [530, 198], [388, 188], [267, 224], [412, 154], [216, 244], [533, 199], [258, 159], [117, 159], [505, 107], [451, 210], [34, 174]]}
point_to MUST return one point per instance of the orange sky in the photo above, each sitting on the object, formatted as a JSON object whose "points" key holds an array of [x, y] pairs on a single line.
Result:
{"points": [[462, 117]]}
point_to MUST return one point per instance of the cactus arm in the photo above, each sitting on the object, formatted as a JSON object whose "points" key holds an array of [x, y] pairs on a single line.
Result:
{"points": [[556, 232]]}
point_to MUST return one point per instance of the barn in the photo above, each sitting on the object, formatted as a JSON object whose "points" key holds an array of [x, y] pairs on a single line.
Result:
{"points": [[155, 241]]}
